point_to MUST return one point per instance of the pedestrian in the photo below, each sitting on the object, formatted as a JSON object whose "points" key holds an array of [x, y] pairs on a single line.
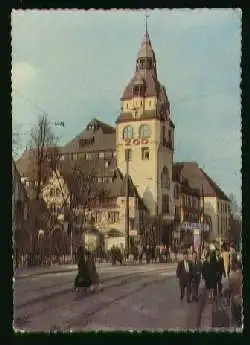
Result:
{"points": [[83, 279], [196, 275], [209, 273], [220, 271], [183, 273], [226, 259], [235, 288], [94, 277]]}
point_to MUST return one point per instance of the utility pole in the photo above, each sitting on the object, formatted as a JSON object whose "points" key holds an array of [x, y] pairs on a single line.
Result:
{"points": [[203, 213], [127, 203]]}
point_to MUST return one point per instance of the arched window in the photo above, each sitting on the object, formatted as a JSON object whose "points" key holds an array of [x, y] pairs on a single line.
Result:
{"points": [[165, 180], [144, 131], [128, 132]]}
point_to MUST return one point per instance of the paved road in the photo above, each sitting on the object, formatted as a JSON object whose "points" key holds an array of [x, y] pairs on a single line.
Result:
{"points": [[136, 297]]}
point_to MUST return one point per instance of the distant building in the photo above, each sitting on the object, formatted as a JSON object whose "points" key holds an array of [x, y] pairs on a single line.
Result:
{"points": [[216, 202], [20, 215]]}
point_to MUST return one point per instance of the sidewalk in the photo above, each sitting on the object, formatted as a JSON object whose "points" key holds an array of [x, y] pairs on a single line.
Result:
{"points": [[36, 271], [209, 309]]}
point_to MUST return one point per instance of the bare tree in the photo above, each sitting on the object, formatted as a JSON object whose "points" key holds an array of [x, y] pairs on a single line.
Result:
{"points": [[85, 195], [16, 139], [45, 154]]}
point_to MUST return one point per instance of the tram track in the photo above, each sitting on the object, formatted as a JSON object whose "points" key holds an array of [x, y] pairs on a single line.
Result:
{"points": [[61, 297], [58, 300], [87, 316]]}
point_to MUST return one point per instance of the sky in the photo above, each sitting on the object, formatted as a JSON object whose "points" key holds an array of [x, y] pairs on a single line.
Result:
{"points": [[74, 65]]}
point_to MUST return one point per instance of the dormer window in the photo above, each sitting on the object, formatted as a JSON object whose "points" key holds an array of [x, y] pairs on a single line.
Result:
{"points": [[93, 126], [86, 142], [136, 90]]}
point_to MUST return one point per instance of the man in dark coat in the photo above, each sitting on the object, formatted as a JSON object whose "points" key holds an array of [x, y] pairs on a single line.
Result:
{"points": [[196, 275], [220, 271], [184, 274], [83, 277]]}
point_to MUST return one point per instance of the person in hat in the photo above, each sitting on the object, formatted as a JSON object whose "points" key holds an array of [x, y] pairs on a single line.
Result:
{"points": [[82, 279]]}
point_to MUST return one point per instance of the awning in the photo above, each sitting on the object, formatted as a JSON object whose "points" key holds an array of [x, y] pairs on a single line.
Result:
{"points": [[114, 233]]}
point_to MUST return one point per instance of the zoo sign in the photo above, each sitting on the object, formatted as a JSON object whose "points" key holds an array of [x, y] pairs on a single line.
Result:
{"points": [[129, 142]]}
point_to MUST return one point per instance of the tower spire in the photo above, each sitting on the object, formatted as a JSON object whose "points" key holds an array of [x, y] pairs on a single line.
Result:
{"points": [[146, 20]]}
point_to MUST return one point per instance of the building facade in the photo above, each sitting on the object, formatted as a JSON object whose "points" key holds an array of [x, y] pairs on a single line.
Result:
{"points": [[145, 134], [212, 198]]}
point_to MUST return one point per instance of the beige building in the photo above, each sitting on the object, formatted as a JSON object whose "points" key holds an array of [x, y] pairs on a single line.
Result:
{"points": [[145, 133]]}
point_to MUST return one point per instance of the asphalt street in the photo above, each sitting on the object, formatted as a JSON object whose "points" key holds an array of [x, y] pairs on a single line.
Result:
{"points": [[134, 298]]}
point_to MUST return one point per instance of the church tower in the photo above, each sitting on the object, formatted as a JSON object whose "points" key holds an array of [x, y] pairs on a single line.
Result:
{"points": [[145, 134]]}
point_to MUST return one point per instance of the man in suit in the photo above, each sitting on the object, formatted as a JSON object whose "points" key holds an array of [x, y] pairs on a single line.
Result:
{"points": [[184, 274], [196, 276]]}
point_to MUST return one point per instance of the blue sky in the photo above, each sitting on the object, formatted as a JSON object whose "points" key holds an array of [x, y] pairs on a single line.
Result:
{"points": [[75, 65]]}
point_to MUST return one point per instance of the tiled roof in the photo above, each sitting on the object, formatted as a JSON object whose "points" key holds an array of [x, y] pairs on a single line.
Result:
{"points": [[98, 135], [198, 179], [150, 81], [27, 163], [96, 167]]}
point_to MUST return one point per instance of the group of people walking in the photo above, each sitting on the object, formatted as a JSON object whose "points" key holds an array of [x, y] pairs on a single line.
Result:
{"points": [[210, 265]]}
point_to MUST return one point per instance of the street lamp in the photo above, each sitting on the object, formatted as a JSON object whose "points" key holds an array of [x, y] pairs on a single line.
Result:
{"points": [[127, 204]]}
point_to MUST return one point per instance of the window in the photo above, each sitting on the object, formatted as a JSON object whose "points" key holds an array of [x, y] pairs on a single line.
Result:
{"points": [[86, 142], [132, 223], [101, 155], [74, 156], [113, 217], [51, 192], [170, 136], [88, 156], [100, 179], [128, 132], [144, 131], [165, 204], [107, 164], [58, 191], [128, 155], [149, 103], [163, 136], [165, 180], [62, 157], [145, 153], [176, 212]]}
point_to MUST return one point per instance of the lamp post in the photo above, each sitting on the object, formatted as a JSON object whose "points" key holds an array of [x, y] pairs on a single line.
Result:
{"points": [[127, 203], [202, 215]]}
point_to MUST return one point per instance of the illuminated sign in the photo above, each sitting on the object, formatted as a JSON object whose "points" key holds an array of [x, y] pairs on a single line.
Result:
{"points": [[194, 226], [136, 142]]}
